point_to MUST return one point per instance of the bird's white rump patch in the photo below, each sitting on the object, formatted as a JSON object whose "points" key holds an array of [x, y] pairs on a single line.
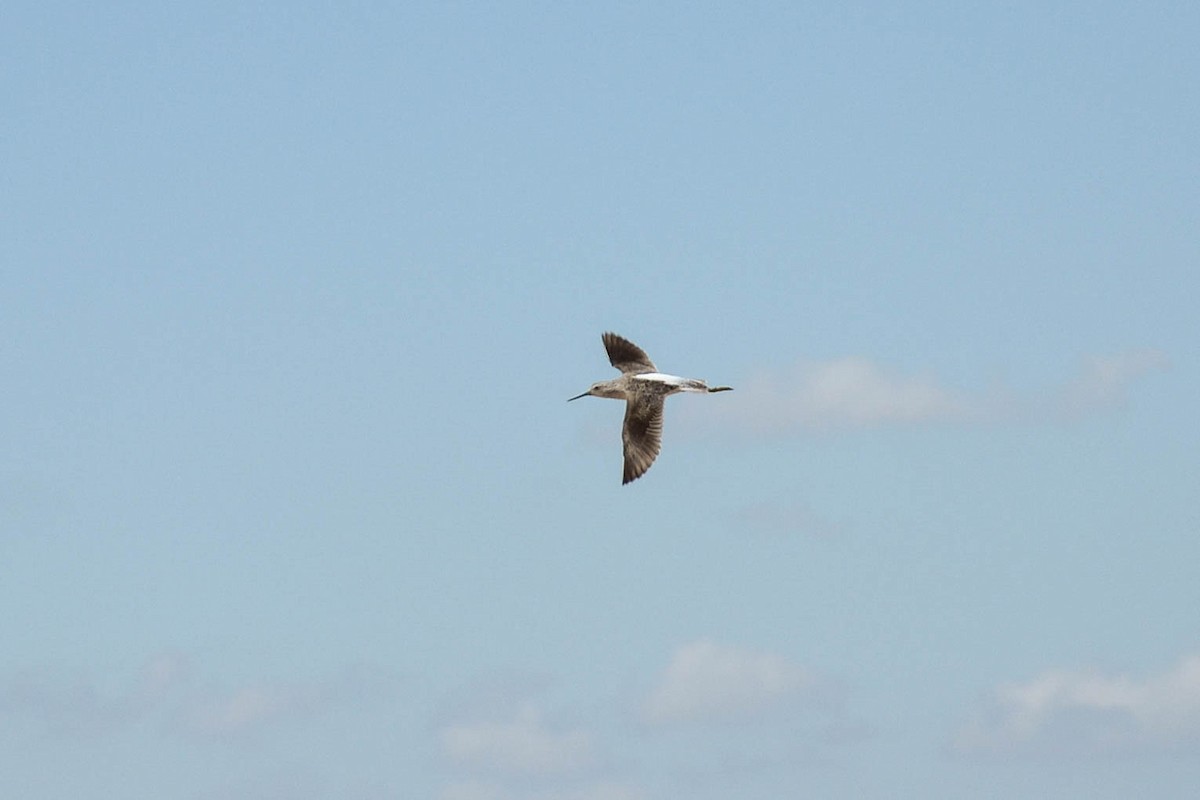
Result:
{"points": [[676, 383], [661, 377]]}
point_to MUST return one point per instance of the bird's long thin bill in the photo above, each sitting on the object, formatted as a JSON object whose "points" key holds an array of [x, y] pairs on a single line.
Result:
{"points": [[576, 397]]}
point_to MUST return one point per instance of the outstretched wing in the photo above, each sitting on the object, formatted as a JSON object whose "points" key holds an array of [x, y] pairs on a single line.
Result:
{"points": [[641, 435], [627, 356]]}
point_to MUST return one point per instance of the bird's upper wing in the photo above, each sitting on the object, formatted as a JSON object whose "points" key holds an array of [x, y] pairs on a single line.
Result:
{"points": [[641, 435], [627, 356]]}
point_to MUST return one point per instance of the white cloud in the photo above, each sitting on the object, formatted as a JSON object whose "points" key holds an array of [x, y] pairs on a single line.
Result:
{"points": [[603, 791], [473, 790], [1089, 712], [162, 673], [855, 392], [482, 790], [164, 693], [845, 393], [72, 708], [523, 745], [710, 682], [248, 708], [1102, 381], [80, 707]]}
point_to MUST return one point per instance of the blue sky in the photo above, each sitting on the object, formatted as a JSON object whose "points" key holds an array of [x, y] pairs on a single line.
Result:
{"points": [[292, 506]]}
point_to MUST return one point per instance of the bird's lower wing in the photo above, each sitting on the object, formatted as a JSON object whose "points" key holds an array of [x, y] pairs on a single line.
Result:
{"points": [[641, 435]]}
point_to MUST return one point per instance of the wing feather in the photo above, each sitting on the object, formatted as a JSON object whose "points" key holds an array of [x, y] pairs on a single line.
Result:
{"points": [[642, 435], [627, 356]]}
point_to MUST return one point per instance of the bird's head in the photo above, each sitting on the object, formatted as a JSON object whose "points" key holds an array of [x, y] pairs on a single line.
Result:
{"points": [[602, 389]]}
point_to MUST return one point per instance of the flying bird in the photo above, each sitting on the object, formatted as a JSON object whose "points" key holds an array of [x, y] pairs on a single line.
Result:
{"points": [[644, 390]]}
